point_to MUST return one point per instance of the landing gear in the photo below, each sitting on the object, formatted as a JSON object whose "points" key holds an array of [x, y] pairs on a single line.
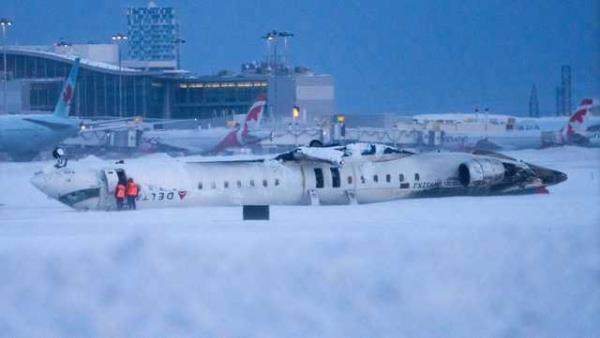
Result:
{"points": [[60, 156]]}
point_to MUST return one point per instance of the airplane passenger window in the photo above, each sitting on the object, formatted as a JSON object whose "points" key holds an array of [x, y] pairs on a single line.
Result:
{"points": [[200, 186], [226, 184], [417, 177], [401, 177], [375, 178], [388, 178], [319, 178], [265, 183], [239, 184], [335, 177]]}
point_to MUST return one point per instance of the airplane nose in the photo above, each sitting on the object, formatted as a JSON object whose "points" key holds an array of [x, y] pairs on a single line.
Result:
{"points": [[79, 188]]}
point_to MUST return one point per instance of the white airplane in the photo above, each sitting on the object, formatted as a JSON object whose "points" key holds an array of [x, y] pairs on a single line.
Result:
{"points": [[213, 140], [582, 129], [356, 173], [579, 129], [23, 136]]}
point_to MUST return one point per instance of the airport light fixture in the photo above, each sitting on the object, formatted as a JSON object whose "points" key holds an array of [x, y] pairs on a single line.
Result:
{"points": [[5, 24], [119, 38]]}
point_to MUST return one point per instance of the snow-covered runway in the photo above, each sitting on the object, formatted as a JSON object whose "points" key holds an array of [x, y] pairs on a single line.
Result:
{"points": [[464, 266]]}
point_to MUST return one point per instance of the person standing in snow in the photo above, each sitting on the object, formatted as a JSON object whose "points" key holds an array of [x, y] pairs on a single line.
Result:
{"points": [[120, 194], [132, 193]]}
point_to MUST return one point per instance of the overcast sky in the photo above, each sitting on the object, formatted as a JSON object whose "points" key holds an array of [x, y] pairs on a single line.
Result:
{"points": [[386, 56]]}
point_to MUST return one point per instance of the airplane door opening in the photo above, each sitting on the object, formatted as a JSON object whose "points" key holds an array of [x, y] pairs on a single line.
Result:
{"points": [[335, 178], [320, 182]]}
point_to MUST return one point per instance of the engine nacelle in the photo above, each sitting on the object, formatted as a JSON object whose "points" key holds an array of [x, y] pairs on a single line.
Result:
{"points": [[481, 173]]}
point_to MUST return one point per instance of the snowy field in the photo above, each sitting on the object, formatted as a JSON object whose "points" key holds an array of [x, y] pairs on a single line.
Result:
{"points": [[517, 266]]}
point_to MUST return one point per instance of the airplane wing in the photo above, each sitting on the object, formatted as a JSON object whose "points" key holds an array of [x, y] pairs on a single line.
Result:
{"points": [[49, 124]]}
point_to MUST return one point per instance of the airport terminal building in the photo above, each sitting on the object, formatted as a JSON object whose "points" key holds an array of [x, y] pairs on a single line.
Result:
{"points": [[36, 74]]}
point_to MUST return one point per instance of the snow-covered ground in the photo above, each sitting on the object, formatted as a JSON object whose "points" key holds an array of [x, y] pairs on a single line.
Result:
{"points": [[517, 266]]}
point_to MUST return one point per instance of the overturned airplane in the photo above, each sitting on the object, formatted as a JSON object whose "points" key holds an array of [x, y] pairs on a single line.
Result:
{"points": [[356, 173]]}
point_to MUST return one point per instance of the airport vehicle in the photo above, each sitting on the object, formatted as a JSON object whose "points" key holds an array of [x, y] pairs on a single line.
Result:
{"points": [[355, 173], [23, 136], [213, 140]]}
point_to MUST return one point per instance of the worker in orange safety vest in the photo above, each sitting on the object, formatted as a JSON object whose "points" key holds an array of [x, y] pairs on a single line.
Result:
{"points": [[132, 193], [120, 192]]}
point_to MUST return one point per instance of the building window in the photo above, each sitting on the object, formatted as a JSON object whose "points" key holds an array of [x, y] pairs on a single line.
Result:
{"points": [[239, 184], [265, 184], [417, 177], [362, 180], [199, 185], [319, 178], [388, 178], [349, 179], [375, 178], [213, 185], [226, 184], [401, 177], [276, 182], [251, 183], [335, 177]]}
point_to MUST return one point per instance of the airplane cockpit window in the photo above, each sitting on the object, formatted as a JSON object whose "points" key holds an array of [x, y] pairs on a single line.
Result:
{"points": [[79, 196]]}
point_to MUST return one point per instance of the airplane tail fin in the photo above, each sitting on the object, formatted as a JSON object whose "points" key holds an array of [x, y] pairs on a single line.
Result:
{"points": [[66, 96], [254, 115], [576, 124]]}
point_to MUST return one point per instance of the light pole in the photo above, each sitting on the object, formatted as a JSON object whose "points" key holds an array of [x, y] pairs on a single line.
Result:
{"points": [[5, 23], [178, 41], [118, 39]]}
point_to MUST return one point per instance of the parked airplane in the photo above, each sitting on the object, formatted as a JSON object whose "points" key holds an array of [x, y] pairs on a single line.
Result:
{"points": [[534, 133], [213, 140], [356, 173], [24, 136], [582, 129]]}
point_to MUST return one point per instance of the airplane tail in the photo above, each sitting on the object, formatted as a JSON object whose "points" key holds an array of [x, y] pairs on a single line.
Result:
{"points": [[576, 124], [254, 115], [66, 96]]}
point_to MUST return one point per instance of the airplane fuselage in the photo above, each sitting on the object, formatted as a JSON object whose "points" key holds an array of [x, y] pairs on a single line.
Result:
{"points": [[175, 183], [28, 134]]}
